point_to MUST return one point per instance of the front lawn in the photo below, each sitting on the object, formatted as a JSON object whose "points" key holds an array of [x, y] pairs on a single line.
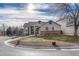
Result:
{"points": [[34, 39], [57, 38], [67, 38], [64, 38]]}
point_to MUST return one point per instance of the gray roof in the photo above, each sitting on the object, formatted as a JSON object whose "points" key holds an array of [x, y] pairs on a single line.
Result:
{"points": [[33, 23]]}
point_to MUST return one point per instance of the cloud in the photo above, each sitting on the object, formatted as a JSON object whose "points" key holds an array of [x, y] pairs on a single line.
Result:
{"points": [[16, 17]]}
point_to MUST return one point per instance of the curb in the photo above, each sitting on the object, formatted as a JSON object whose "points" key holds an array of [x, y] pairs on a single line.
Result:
{"points": [[7, 42], [61, 49]]}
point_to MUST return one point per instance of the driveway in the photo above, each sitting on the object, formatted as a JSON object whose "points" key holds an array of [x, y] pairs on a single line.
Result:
{"points": [[19, 51]]}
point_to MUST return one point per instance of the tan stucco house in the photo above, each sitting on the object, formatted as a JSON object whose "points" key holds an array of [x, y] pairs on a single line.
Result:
{"points": [[42, 28]]}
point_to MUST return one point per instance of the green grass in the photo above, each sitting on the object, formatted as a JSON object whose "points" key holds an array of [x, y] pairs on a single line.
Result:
{"points": [[64, 38], [34, 39], [67, 38]]}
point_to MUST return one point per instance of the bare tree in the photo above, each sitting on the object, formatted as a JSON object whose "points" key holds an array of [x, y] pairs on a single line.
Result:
{"points": [[70, 11], [3, 29]]}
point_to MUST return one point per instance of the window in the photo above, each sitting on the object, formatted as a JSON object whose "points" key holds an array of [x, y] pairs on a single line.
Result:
{"points": [[39, 22], [52, 28], [50, 22], [47, 28]]}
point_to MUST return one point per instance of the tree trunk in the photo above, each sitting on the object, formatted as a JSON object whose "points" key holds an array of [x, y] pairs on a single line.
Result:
{"points": [[75, 31], [75, 28]]}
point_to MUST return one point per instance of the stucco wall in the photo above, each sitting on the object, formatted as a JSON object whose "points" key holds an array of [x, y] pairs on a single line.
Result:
{"points": [[67, 30], [56, 27], [44, 25]]}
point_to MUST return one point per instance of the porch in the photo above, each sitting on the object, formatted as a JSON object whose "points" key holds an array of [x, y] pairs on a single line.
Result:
{"points": [[33, 30]]}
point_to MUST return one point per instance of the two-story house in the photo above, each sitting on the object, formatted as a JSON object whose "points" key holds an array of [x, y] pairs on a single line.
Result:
{"points": [[41, 28]]}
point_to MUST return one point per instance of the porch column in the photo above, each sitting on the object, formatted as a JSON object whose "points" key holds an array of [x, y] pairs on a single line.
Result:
{"points": [[29, 30], [39, 31], [34, 30]]}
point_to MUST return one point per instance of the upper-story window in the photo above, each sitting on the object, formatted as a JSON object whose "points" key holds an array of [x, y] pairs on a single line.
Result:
{"points": [[47, 28], [50, 22]]}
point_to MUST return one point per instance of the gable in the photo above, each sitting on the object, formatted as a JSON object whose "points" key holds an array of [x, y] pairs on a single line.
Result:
{"points": [[40, 24]]}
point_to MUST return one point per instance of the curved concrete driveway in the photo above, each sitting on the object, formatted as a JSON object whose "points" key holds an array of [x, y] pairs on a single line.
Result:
{"points": [[18, 51]]}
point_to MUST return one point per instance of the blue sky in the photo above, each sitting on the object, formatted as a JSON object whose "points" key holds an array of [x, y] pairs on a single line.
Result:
{"points": [[20, 6], [13, 5], [19, 13]]}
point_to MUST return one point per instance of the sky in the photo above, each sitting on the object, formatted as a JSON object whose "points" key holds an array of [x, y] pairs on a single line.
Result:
{"points": [[16, 14]]}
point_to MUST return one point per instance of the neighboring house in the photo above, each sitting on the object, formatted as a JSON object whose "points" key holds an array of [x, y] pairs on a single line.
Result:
{"points": [[67, 26], [41, 28]]}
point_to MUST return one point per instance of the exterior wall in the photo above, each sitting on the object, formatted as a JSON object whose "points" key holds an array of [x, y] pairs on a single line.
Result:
{"points": [[43, 26], [50, 31], [56, 27], [47, 33], [67, 30]]}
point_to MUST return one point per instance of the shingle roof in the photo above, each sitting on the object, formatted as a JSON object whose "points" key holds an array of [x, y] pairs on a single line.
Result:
{"points": [[33, 23]]}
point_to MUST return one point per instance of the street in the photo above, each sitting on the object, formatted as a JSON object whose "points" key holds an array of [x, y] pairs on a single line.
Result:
{"points": [[19, 51]]}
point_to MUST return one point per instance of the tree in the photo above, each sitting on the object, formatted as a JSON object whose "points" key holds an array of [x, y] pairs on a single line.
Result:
{"points": [[3, 28], [15, 31], [21, 31], [9, 31], [70, 11]]}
